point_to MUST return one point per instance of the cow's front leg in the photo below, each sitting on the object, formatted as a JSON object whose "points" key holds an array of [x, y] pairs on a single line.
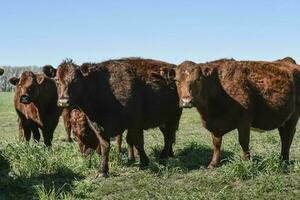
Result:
{"points": [[217, 142], [105, 147], [104, 143]]}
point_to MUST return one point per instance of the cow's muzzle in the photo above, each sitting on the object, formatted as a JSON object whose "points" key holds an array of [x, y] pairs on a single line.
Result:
{"points": [[187, 103], [25, 99], [63, 103]]}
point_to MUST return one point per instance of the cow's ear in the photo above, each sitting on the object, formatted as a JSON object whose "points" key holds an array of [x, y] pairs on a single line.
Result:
{"points": [[207, 71], [49, 71], [167, 73], [40, 79], [85, 69], [14, 80]]}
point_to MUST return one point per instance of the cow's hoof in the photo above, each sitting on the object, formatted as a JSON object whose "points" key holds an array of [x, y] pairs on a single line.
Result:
{"points": [[69, 140], [212, 165], [101, 175], [144, 164], [246, 157], [165, 154], [130, 161], [142, 167]]}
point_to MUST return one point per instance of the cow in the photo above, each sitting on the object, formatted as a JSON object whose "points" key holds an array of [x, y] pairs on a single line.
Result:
{"points": [[85, 136], [116, 95], [239, 95], [35, 103], [1, 71]]}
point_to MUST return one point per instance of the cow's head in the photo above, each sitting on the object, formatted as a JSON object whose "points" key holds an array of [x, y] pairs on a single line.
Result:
{"points": [[27, 86], [67, 77], [190, 78], [84, 136], [1, 71]]}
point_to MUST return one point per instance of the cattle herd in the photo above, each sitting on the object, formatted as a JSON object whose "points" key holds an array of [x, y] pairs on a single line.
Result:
{"points": [[99, 101]]}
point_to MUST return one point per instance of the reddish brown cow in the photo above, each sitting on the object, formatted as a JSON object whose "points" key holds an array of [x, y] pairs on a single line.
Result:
{"points": [[121, 94], [238, 95], [84, 134], [1, 71], [35, 103]]}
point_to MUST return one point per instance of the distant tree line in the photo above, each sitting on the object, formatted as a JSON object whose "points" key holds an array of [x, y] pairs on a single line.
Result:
{"points": [[9, 72]]}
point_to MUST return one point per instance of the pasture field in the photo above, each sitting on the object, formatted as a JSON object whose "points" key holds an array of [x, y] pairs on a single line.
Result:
{"points": [[32, 171]]}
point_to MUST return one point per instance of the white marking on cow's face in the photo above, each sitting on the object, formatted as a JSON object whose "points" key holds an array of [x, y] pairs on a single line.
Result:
{"points": [[186, 100], [186, 72]]}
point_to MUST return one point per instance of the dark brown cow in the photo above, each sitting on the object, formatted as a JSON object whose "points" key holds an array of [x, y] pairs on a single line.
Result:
{"points": [[121, 94], [66, 117], [35, 103], [1, 71], [84, 134], [238, 95]]}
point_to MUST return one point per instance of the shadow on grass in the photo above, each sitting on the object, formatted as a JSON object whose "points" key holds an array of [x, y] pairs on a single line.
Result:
{"points": [[26, 187], [191, 157]]}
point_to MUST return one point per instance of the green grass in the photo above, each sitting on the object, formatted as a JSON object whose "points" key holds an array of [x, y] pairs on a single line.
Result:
{"points": [[32, 171]]}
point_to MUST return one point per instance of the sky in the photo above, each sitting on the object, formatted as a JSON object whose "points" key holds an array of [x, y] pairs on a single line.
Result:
{"points": [[40, 32]]}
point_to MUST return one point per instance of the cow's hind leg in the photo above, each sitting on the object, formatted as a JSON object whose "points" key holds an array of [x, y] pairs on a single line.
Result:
{"points": [[131, 157], [287, 132], [217, 142], [169, 140], [169, 131], [136, 137], [118, 143]]}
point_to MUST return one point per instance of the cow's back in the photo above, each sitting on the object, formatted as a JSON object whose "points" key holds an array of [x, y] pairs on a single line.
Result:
{"points": [[160, 98], [266, 90]]}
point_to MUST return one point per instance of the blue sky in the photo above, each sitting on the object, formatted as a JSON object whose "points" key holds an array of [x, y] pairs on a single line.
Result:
{"points": [[38, 32]]}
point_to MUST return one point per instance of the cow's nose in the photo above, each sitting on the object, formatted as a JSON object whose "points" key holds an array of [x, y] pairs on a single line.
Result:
{"points": [[63, 102], [187, 102]]}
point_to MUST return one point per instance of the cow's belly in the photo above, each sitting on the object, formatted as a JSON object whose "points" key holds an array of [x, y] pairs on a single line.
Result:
{"points": [[267, 119], [269, 122], [220, 125]]}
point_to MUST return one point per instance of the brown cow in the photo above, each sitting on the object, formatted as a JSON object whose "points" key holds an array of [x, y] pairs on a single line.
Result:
{"points": [[35, 103], [242, 94], [85, 136], [1, 71], [121, 94]]}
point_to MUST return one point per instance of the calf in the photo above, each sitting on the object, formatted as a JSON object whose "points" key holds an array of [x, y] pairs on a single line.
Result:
{"points": [[121, 94], [85, 136], [239, 95]]}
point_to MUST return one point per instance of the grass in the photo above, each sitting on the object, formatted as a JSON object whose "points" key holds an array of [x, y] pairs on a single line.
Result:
{"points": [[32, 171]]}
